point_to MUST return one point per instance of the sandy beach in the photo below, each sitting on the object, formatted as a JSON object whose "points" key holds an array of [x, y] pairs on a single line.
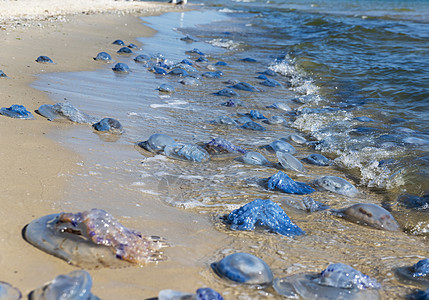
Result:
{"points": [[35, 168]]}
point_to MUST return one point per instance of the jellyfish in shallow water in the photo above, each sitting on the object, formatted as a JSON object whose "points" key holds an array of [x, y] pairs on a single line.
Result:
{"points": [[337, 185], [157, 142], [8, 292], [317, 159], [92, 239], [280, 146], [16, 111], [121, 68], [284, 183], [254, 158], [337, 281], [289, 162], [201, 294], [187, 152], [263, 213], [370, 215], [221, 146], [244, 86], [227, 92], [243, 268], [417, 274], [109, 125], [76, 285]]}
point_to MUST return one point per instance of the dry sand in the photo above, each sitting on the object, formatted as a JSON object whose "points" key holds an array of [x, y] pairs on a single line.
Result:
{"points": [[34, 168]]}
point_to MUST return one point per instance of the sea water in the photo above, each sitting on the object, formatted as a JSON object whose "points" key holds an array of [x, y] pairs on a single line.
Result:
{"points": [[356, 77]]}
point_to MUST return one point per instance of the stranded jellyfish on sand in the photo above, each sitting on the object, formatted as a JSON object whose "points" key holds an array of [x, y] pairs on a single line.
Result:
{"points": [[76, 285], [243, 268], [65, 111], [16, 111], [201, 294], [337, 281], [9, 292], [417, 274], [92, 239], [109, 125], [284, 183], [263, 213], [370, 215]]}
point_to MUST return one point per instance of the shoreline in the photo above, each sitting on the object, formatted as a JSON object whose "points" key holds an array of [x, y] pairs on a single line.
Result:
{"points": [[37, 168]]}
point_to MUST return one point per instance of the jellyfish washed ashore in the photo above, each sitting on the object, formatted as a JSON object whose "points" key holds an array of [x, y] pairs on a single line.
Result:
{"points": [[92, 239], [369, 214], [8, 292], [337, 281], [264, 213], [76, 285], [417, 274], [65, 111], [201, 294], [284, 183], [243, 268], [16, 111]]}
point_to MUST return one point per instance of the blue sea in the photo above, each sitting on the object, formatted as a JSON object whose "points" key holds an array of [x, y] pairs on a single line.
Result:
{"points": [[355, 75]]}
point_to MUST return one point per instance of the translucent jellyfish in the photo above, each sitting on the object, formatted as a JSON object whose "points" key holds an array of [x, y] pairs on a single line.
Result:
{"points": [[187, 152], [244, 86], [317, 159], [3, 74], [103, 56], [254, 158], [289, 162], [110, 125], [284, 183], [8, 292], [142, 58], [44, 59], [124, 50], [270, 82], [297, 139], [243, 268], [337, 281], [224, 120], [74, 286], [253, 126], [218, 146], [178, 72], [121, 68], [263, 213], [417, 274], [92, 239], [227, 92], [201, 294], [280, 105], [337, 185], [280, 146], [65, 111], [157, 142], [255, 114], [275, 120], [166, 88], [369, 214], [16, 111], [119, 42]]}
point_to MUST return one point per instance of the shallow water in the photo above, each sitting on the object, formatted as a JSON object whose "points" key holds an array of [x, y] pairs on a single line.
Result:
{"points": [[332, 66]]}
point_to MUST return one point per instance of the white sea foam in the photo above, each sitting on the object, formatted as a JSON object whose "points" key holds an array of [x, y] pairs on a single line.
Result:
{"points": [[223, 43]]}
